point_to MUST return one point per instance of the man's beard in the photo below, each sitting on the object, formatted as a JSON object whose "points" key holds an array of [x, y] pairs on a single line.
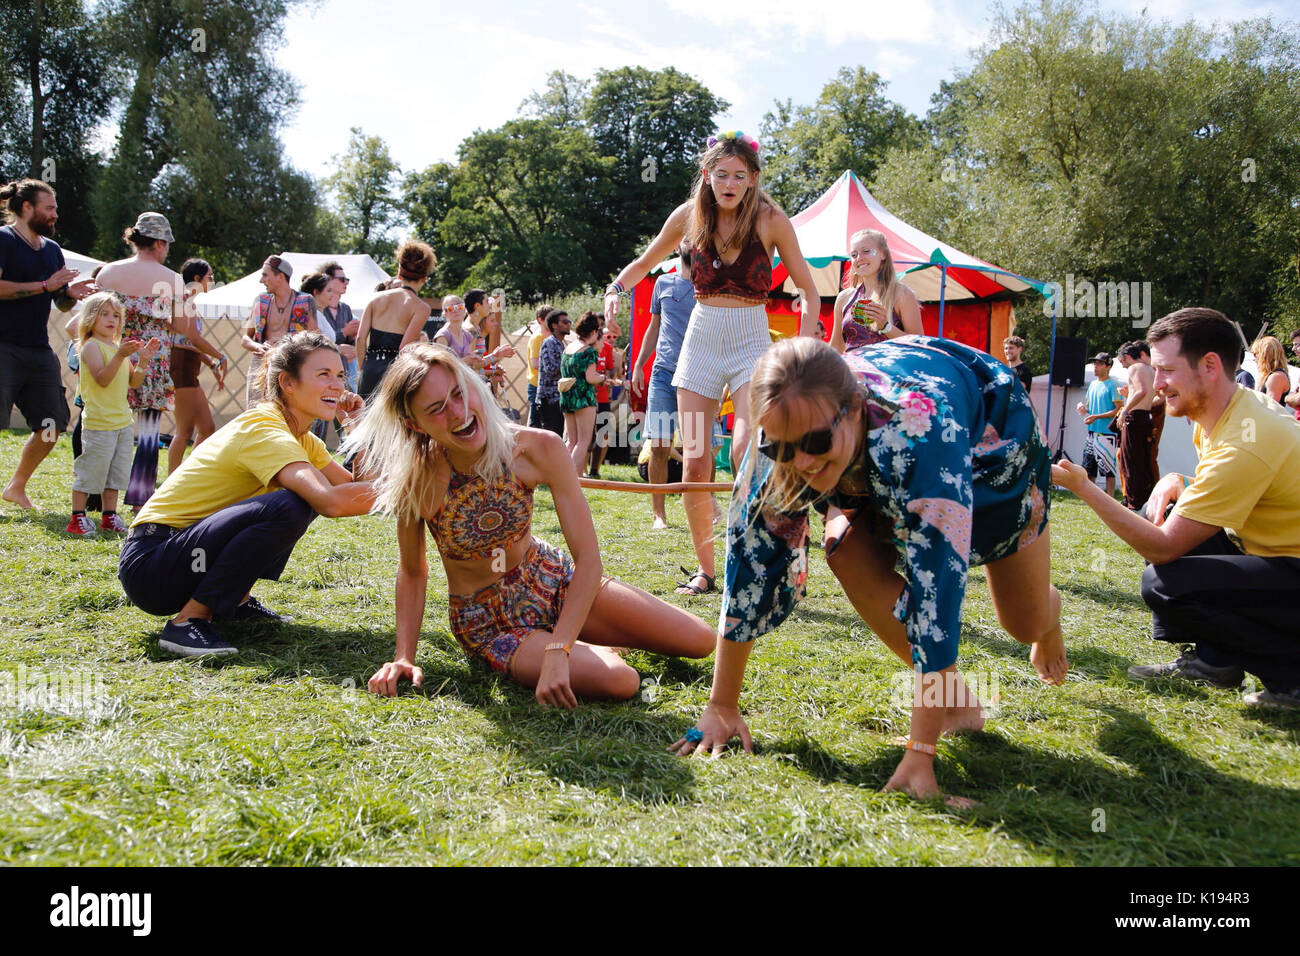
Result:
{"points": [[42, 227]]}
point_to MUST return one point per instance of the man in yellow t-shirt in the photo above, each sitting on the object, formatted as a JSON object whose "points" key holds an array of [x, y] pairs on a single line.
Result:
{"points": [[534, 360], [1224, 544]]}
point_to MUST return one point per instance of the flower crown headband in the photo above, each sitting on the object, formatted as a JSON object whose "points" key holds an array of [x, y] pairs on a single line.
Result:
{"points": [[734, 134]]}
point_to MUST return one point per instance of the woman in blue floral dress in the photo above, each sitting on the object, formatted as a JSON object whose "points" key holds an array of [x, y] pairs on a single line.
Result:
{"points": [[926, 458]]}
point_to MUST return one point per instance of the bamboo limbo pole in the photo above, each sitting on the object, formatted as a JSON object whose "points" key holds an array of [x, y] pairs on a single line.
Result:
{"points": [[672, 488]]}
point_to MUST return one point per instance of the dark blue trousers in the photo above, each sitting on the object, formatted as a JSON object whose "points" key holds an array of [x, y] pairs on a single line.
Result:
{"points": [[1242, 607], [217, 560]]}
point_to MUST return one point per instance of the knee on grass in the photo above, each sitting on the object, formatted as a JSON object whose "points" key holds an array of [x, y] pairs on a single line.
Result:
{"points": [[619, 682]]}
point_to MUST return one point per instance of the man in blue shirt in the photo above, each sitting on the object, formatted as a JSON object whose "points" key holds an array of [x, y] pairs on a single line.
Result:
{"points": [[1099, 406], [32, 275], [671, 303], [548, 372]]}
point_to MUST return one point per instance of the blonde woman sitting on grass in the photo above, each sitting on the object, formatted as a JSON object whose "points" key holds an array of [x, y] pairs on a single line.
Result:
{"points": [[444, 458]]}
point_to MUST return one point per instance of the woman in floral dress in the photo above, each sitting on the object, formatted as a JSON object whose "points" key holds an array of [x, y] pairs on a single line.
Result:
{"points": [[926, 458], [579, 401], [153, 307]]}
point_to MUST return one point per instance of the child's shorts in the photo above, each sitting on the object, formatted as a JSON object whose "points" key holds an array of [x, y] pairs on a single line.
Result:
{"points": [[105, 460]]}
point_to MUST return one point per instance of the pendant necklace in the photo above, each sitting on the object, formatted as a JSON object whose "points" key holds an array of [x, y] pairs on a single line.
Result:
{"points": [[717, 262]]}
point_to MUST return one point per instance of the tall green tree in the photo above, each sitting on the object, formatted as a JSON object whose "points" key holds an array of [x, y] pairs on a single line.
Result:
{"points": [[1115, 149], [563, 103], [520, 205], [654, 124], [427, 201], [364, 186], [57, 81], [851, 126], [203, 89]]}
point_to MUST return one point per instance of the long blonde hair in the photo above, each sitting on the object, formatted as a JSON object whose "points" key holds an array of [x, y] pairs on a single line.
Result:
{"points": [[399, 460], [800, 367], [91, 307], [704, 207], [1269, 358], [886, 278]]}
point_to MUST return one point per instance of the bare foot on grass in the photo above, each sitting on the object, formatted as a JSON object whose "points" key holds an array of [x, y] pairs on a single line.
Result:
{"points": [[659, 524], [1048, 658], [915, 777], [17, 496]]}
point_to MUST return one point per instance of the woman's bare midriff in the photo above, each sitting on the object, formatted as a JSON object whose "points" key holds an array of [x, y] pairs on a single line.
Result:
{"points": [[466, 577], [730, 301]]}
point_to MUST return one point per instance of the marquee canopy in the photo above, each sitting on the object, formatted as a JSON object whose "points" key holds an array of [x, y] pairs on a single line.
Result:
{"points": [[847, 206], [235, 300]]}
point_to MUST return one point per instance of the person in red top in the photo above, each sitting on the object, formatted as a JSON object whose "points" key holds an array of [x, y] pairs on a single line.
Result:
{"points": [[733, 226], [606, 365]]}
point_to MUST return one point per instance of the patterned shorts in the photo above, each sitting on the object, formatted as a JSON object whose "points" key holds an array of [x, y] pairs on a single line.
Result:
{"points": [[492, 622]]}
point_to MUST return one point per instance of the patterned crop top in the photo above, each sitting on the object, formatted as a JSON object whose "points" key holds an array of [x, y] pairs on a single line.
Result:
{"points": [[479, 516], [749, 277]]}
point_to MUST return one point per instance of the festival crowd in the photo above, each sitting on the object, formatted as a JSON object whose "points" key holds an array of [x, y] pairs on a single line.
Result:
{"points": [[923, 456]]}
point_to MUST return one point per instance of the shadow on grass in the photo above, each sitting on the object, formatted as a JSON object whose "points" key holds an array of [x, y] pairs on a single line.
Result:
{"points": [[1094, 661], [1107, 596], [615, 748], [1167, 808]]}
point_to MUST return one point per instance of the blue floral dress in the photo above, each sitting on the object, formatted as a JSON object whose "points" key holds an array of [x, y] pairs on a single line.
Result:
{"points": [[952, 472]]}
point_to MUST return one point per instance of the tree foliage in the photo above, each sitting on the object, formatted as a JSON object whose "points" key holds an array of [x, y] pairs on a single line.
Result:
{"points": [[57, 81], [655, 125], [365, 189], [851, 126], [1116, 149], [521, 199], [205, 104]]}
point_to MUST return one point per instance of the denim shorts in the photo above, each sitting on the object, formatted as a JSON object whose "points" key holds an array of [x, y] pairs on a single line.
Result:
{"points": [[660, 406]]}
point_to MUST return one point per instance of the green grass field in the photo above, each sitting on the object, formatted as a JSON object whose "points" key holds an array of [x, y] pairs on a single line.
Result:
{"points": [[278, 756]]}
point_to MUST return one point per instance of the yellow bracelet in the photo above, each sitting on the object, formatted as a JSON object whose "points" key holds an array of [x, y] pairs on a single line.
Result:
{"points": [[558, 646], [919, 747]]}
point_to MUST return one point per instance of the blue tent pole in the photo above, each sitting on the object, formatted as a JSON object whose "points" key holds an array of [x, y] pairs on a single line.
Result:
{"points": [[1051, 362], [943, 285]]}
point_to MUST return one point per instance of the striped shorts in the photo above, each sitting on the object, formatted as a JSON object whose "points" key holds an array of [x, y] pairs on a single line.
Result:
{"points": [[721, 346]]}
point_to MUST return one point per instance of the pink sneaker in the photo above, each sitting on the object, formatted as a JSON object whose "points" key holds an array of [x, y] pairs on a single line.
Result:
{"points": [[80, 524], [113, 522]]}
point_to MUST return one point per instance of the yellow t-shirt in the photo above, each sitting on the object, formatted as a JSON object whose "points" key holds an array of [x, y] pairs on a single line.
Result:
{"points": [[1248, 476], [238, 462], [106, 408], [535, 353]]}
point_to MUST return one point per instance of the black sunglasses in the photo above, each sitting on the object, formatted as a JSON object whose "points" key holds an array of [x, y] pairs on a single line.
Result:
{"points": [[813, 443]]}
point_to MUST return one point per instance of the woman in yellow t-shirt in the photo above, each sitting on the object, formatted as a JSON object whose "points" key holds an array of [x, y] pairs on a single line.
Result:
{"points": [[232, 513]]}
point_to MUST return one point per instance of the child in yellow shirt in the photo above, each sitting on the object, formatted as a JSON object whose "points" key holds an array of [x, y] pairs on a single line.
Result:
{"points": [[109, 367]]}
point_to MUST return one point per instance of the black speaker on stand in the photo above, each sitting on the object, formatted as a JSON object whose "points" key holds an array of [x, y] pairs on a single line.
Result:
{"points": [[1067, 369]]}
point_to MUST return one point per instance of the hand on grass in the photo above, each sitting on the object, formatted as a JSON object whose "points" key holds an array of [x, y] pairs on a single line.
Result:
{"points": [[384, 681], [718, 724], [553, 688]]}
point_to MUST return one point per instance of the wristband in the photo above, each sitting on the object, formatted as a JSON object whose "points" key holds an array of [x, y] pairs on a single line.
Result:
{"points": [[558, 646], [43, 289], [918, 747]]}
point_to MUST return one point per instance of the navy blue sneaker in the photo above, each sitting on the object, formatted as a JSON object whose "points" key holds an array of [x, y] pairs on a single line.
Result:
{"points": [[194, 638], [254, 611]]}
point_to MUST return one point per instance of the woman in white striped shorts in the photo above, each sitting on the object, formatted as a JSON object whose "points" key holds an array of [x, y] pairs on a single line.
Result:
{"points": [[731, 226]]}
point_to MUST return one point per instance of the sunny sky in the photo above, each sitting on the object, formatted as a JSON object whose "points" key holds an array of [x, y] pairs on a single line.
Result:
{"points": [[425, 76]]}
